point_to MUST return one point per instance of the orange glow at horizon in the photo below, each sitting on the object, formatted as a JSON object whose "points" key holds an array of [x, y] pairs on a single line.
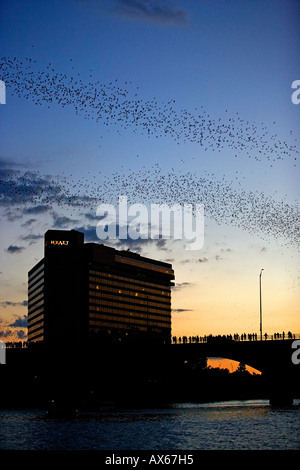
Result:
{"points": [[218, 362]]}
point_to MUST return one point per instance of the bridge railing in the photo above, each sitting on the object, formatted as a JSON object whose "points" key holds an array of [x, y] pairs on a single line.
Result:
{"points": [[16, 344], [201, 339], [235, 337]]}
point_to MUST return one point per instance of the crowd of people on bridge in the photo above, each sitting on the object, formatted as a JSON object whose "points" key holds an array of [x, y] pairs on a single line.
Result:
{"points": [[16, 344], [234, 337], [199, 339]]}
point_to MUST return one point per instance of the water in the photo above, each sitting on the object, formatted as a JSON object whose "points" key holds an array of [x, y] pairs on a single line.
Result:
{"points": [[248, 425]]}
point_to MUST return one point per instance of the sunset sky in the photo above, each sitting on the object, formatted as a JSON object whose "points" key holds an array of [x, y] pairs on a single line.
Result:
{"points": [[165, 102]]}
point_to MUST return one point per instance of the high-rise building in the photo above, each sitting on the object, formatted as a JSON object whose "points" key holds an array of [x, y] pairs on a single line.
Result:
{"points": [[80, 291]]}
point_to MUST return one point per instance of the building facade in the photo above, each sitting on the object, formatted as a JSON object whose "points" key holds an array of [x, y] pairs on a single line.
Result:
{"points": [[83, 291]]}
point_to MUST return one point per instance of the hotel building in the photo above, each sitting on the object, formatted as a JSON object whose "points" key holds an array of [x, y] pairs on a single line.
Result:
{"points": [[80, 291]]}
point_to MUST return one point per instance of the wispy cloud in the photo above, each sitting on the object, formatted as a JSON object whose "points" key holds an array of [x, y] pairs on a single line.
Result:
{"points": [[14, 164], [179, 310], [60, 222], [12, 249], [19, 188], [33, 194], [28, 223], [10, 303], [31, 238], [140, 243], [182, 285], [193, 260], [155, 11], [90, 234], [40, 209]]}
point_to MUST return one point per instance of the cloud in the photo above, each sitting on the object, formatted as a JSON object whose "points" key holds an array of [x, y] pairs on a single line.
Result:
{"points": [[18, 188], [179, 310], [184, 261], [14, 249], [12, 215], [192, 260], [20, 322], [160, 244], [182, 285], [62, 221], [89, 233], [155, 11], [32, 238], [21, 334], [4, 163], [140, 243], [5, 334], [28, 223], [10, 164], [91, 217], [9, 303], [36, 209]]}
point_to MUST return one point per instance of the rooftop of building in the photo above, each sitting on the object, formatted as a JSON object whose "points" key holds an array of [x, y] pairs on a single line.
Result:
{"points": [[65, 239]]}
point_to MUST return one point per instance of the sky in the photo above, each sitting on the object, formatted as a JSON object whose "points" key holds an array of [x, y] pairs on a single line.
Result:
{"points": [[165, 102]]}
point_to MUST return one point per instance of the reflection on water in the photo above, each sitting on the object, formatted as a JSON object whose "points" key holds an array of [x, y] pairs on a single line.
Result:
{"points": [[189, 426]]}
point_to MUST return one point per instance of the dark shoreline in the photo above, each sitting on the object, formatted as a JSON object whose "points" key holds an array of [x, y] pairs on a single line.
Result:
{"points": [[128, 377]]}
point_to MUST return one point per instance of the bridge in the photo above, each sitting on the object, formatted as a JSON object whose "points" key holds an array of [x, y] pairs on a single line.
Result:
{"points": [[273, 358], [116, 367]]}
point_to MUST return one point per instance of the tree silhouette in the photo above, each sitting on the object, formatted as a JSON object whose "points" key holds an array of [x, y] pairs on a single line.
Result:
{"points": [[241, 368]]}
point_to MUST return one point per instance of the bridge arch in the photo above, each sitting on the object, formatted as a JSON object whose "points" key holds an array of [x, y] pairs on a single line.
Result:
{"points": [[265, 356], [272, 358], [230, 364]]}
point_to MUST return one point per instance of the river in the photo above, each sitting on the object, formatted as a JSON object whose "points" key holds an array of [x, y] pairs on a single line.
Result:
{"points": [[232, 425]]}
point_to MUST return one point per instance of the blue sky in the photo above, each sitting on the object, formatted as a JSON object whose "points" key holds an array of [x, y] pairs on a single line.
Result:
{"points": [[194, 95]]}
